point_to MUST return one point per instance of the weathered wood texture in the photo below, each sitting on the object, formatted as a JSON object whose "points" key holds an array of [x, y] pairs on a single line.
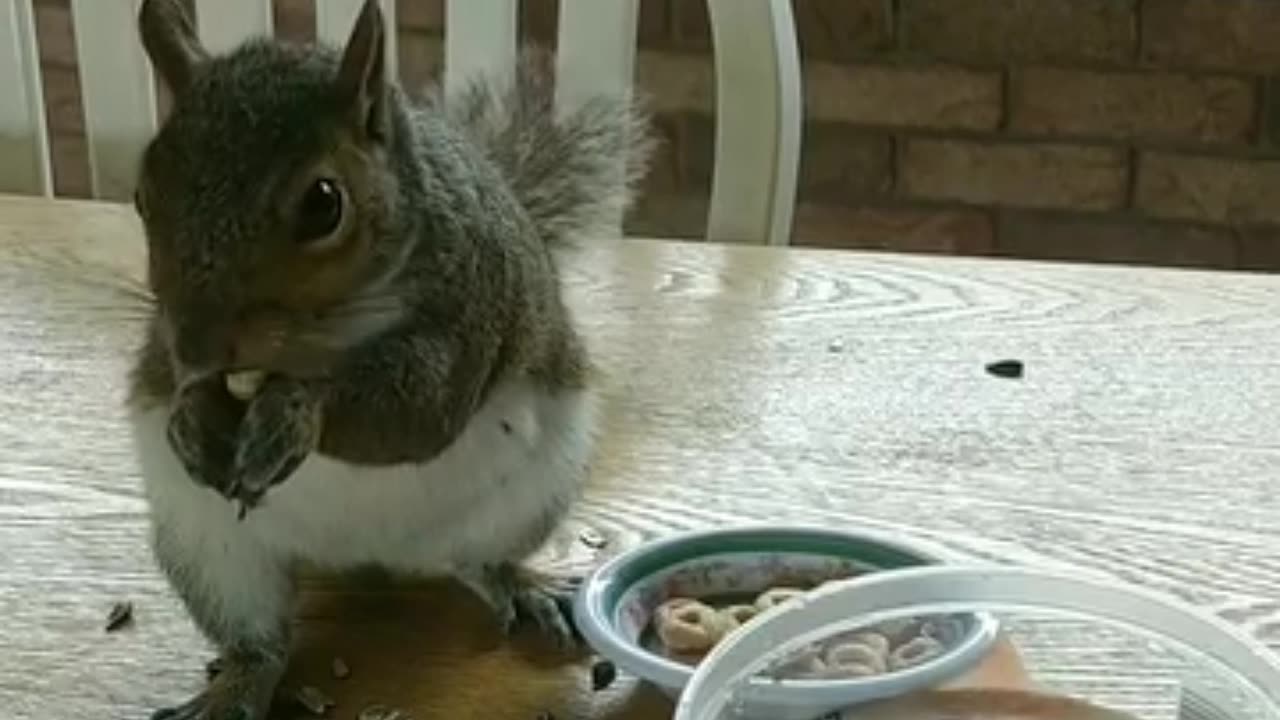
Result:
{"points": [[744, 384]]}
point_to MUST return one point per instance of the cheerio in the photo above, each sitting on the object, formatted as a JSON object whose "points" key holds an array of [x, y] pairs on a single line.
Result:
{"points": [[1138, 654]]}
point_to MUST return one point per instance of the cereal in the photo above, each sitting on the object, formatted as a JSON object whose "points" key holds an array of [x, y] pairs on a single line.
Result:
{"points": [[850, 654], [776, 596], [914, 652], [740, 614], [688, 626]]}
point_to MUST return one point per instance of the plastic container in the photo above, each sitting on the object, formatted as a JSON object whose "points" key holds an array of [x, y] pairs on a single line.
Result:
{"points": [[1227, 675]]}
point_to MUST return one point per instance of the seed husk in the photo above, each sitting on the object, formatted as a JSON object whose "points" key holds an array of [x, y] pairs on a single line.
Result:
{"points": [[592, 538], [315, 702], [1011, 369], [382, 712], [603, 673], [121, 615], [340, 669]]}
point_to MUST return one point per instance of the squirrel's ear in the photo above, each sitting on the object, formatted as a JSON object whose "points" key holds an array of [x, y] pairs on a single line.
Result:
{"points": [[170, 42], [362, 80]]}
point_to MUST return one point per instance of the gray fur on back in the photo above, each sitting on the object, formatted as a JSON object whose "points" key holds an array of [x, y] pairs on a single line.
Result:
{"points": [[574, 172]]}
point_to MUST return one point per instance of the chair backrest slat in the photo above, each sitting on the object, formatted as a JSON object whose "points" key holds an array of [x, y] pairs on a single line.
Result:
{"points": [[759, 103], [224, 24], [479, 40], [758, 121], [117, 90], [24, 141], [335, 18]]}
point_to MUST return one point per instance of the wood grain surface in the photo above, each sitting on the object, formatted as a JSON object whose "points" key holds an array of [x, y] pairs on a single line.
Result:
{"points": [[744, 384]]}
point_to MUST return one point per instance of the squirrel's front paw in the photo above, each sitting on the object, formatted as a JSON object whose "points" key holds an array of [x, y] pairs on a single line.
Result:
{"points": [[280, 429], [202, 432]]}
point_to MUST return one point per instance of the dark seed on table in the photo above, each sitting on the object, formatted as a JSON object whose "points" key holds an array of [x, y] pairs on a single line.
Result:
{"points": [[592, 539], [381, 712], [1006, 368], [315, 702], [603, 674], [340, 669], [121, 614]]}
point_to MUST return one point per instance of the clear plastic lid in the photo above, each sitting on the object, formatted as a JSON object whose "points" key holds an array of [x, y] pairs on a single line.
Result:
{"points": [[1115, 651]]}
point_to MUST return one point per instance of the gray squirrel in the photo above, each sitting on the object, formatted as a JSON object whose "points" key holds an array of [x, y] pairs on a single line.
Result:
{"points": [[389, 266]]}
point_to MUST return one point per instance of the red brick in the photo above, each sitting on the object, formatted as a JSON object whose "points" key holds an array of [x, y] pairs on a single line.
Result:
{"points": [[422, 15], [421, 60], [666, 169], [1209, 188], [665, 215], [843, 29], [55, 33], [690, 25], [1049, 236], [539, 21], [295, 20], [654, 23], [995, 31], [1258, 249], [1150, 106], [838, 164], [69, 156], [62, 107], [903, 96], [1226, 34], [1028, 175], [676, 82], [897, 229]]}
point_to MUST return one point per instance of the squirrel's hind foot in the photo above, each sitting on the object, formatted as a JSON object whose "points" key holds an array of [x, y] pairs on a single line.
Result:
{"points": [[520, 599], [240, 691]]}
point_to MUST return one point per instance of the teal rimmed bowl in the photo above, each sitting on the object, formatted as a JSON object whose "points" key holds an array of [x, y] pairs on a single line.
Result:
{"points": [[614, 606]]}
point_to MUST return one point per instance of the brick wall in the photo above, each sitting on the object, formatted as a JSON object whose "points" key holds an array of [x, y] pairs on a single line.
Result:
{"points": [[1102, 130]]}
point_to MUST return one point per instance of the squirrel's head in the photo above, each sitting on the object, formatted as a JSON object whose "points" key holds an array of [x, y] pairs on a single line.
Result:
{"points": [[268, 198]]}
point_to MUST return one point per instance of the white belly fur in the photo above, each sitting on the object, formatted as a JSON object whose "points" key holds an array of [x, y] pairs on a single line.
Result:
{"points": [[469, 504]]}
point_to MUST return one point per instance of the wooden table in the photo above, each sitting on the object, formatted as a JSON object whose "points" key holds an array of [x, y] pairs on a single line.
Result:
{"points": [[744, 383]]}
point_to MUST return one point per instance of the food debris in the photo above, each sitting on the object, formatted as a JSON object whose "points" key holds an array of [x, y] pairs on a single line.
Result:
{"points": [[835, 346], [1006, 368], [592, 538], [315, 702], [382, 712], [213, 668], [340, 669], [603, 673], [121, 615], [243, 385]]}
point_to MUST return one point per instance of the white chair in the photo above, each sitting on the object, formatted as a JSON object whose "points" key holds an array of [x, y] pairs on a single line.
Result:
{"points": [[758, 98]]}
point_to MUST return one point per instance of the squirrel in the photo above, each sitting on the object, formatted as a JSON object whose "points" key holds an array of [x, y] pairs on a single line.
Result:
{"points": [[389, 265]]}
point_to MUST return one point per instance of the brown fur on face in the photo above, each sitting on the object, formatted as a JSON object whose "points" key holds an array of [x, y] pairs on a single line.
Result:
{"points": [[234, 285]]}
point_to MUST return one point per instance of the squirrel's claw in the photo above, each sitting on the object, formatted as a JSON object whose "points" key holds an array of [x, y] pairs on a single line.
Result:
{"points": [[279, 431]]}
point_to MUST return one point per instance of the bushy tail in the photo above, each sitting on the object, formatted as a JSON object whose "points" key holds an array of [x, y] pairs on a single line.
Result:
{"points": [[575, 173]]}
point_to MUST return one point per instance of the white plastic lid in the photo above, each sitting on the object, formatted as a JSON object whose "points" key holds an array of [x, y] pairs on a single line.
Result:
{"points": [[1236, 677]]}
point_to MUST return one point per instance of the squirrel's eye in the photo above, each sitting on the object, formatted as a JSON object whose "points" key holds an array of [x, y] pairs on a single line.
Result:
{"points": [[320, 211]]}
